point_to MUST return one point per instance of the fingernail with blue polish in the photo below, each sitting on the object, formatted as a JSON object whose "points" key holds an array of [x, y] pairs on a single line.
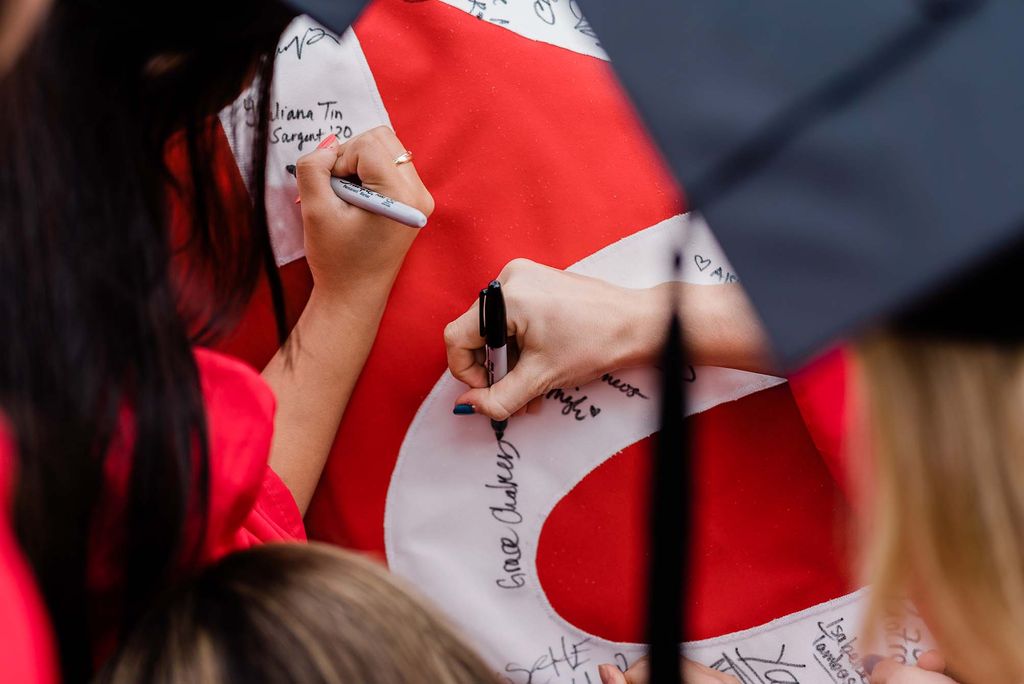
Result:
{"points": [[870, 661], [463, 409]]}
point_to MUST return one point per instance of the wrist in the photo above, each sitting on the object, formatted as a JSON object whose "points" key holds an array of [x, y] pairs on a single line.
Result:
{"points": [[352, 290], [722, 329], [333, 315], [645, 312]]}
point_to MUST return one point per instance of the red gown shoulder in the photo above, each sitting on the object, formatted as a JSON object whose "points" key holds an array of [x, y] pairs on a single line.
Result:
{"points": [[248, 502]]}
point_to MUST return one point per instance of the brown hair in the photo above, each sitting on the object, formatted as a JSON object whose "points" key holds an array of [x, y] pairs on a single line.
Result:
{"points": [[946, 505], [294, 613]]}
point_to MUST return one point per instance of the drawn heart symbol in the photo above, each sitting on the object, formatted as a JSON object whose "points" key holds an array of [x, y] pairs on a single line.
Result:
{"points": [[594, 411], [701, 262]]}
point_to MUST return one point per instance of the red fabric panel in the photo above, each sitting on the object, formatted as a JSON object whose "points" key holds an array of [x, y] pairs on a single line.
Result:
{"points": [[531, 151], [520, 165], [769, 532], [820, 390]]}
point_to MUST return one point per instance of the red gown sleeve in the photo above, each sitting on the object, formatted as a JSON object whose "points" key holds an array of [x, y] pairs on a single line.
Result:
{"points": [[820, 392], [249, 504], [24, 628]]}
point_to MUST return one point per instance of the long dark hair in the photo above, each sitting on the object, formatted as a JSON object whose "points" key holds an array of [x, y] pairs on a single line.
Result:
{"points": [[91, 321]]}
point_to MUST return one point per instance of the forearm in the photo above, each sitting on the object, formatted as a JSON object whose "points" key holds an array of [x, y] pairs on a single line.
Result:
{"points": [[313, 377], [725, 330], [720, 327]]}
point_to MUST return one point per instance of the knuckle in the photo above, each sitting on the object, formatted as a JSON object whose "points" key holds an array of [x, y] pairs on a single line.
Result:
{"points": [[356, 145], [543, 382], [305, 163], [451, 334], [517, 266], [426, 202], [380, 136], [499, 410]]}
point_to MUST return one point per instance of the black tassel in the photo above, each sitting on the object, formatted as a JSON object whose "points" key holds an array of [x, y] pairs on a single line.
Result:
{"points": [[671, 513]]}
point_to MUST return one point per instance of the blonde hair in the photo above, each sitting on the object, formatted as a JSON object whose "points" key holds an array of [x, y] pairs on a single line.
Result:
{"points": [[294, 613], [945, 521]]}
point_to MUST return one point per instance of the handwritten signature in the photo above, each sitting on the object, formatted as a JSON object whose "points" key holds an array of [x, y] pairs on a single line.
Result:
{"points": [[312, 35], [753, 670], [507, 513], [567, 657], [544, 11], [623, 386], [574, 406], [704, 263], [837, 654]]}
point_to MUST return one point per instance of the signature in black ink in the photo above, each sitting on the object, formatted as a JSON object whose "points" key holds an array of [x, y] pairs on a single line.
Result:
{"points": [[334, 116], [283, 112], [837, 654], [311, 36], [300, 138], [703, 263], [514, 577], [623, 386], [582, 25], [567, 656], [477, 8], [327, 110], [507, 513], [751, 670], [278, 112], [726, 277], [689, 375], [545, 11], [505, 481], [574, 406]]}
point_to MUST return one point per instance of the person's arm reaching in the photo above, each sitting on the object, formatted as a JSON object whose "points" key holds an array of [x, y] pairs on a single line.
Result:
{"points": [[354, 257], [571, 329]]}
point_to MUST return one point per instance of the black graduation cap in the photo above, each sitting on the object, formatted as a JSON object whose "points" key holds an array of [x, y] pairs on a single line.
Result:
{"points": [[858, 162], [848, 156], [337, 15]]}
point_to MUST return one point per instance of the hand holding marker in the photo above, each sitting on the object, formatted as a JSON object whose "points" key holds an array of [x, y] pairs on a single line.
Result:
{"points": [[493, 328], [371, 201]]}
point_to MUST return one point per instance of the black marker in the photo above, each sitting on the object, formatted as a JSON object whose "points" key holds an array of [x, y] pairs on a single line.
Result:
{"points": [[493, 329], [373, 202]]}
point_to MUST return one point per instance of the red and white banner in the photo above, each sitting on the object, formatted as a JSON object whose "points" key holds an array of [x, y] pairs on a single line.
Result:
{"points": [[536, 548]]}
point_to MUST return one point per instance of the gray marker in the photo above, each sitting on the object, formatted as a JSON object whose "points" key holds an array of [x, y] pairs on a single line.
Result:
{"points": [[374, 202]]}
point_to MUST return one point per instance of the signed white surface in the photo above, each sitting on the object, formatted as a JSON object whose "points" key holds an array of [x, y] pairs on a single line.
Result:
{"points": [[464, 513], [322, 85], [558, 22]]}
